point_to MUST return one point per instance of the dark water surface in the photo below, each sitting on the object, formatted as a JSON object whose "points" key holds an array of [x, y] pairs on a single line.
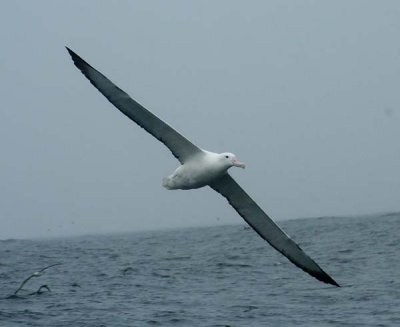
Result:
{"points": [[216, 276]]}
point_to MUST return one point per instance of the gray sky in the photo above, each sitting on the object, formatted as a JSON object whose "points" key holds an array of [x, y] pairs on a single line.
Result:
{"points": [[307, 93]]}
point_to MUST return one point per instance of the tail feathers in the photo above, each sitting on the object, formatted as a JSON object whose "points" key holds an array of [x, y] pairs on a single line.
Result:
{"points": [[166, 182]]}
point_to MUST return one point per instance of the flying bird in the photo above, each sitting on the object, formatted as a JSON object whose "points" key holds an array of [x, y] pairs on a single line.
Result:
{"points": [[201, 168], [36, 274]]}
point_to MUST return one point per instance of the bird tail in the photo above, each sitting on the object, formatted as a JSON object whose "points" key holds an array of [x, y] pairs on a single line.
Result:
{"points": [[166, 182]]}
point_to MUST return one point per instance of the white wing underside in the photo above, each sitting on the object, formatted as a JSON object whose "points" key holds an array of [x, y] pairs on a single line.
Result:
{"points": [[183, 150]]}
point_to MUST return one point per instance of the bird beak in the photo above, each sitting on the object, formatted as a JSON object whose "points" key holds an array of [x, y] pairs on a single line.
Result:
{"points": [[237, 163]]}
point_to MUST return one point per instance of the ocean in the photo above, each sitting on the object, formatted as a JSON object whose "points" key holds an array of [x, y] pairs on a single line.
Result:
{"points": [[210, 276]]}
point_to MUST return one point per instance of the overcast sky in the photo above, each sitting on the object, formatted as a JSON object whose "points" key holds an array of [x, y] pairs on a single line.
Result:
{"points": [[307, 93]]}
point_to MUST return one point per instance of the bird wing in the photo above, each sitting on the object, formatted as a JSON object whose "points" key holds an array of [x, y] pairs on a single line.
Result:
{"points": [[54, 264], [266, 228], [23, 283], [180, 147]]}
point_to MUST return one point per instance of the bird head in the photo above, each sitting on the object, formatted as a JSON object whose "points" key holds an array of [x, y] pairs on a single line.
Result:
{"points": [[229, 159]]}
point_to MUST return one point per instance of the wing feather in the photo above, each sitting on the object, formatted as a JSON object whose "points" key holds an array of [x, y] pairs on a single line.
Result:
{"points": [[180, 147], [266, 227]]}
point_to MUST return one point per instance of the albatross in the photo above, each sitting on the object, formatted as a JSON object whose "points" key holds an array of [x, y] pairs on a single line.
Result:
{"points": [[199, 168], [36, 274]]}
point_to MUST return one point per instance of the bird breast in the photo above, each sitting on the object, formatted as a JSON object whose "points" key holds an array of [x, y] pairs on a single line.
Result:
{"points": [[192, 175]]}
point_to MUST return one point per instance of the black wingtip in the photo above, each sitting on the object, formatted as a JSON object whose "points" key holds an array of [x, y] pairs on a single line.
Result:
{"points": [[327, 279], [331, 282], [78, 61], [72, 54], [319, 274]]}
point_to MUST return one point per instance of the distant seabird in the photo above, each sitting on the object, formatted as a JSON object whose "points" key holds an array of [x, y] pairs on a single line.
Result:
{"points": [[201, 168], [36, 274]]}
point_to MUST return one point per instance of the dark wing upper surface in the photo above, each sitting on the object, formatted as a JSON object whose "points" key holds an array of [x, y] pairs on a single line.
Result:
{"points": [[267, 228], [180, 147]]}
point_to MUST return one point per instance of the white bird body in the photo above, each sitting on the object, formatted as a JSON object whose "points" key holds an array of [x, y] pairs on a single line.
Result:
{"points": [[200, 168]]}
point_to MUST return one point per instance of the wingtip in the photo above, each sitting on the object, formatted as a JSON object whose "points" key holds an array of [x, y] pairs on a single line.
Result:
{"points": [[72, 53], [319, 274], [334, 283], [327, 279], [78, 61]]}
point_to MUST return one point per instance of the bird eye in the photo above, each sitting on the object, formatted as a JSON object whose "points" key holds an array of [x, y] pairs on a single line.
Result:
{"points": [[226, 157]]}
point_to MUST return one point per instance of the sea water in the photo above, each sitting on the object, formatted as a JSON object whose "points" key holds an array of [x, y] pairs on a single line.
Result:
{"points": [[214, 276]]}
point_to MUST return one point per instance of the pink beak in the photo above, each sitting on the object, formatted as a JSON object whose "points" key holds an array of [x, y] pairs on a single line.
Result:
{"points": [[238, 163]]}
